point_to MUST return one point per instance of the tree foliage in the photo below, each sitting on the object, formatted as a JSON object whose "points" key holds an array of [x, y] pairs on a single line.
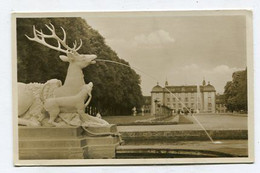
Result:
{"points": [[116, 88], [236, 92]]}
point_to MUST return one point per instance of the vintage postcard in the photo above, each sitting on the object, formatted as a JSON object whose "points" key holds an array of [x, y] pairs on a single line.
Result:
{"points": [[120, 88]]}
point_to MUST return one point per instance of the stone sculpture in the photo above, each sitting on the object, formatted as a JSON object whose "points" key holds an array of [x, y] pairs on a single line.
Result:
{"points": [[32, 97], [30, 101], [74, 78], [63, 106], [54, 106]]}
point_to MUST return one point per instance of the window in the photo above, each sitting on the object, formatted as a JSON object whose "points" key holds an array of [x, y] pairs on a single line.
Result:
{"points": [[192, 94], [192, 99], [180, 105], [209, 105], [173, 99], [173, 105], [186, 94], [168, 99], [209, 99], [179, 98], [192, 105], [186, 99]]}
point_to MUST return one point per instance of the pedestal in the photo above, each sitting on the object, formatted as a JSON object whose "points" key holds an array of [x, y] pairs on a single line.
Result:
{"points": [[66, 143]]}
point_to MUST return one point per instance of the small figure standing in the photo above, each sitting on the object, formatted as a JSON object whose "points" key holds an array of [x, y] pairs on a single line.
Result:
{"points": [[142, 111], [99, 115], [134, 111]]}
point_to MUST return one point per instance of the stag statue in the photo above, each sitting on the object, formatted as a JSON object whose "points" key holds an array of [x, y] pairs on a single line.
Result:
{"points": [[31, 111], [75, 78]]}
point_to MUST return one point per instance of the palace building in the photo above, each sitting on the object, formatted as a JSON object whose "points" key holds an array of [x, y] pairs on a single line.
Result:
{"points": [[197, 98]]}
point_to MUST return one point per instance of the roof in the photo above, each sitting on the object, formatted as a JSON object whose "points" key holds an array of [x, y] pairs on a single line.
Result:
{"points": [[184, 89], [208, 88], [178, 89], [157, 88]]}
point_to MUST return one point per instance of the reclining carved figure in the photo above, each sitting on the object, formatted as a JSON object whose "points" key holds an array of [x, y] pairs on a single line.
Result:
{"points": [[30, 101], [75, 103]]}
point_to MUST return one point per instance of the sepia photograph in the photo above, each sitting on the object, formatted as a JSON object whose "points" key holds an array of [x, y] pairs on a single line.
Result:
{"points": [[131, 88]]}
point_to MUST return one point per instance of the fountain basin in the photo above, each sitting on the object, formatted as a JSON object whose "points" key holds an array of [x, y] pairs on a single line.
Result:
{"points": [[185, 149]]}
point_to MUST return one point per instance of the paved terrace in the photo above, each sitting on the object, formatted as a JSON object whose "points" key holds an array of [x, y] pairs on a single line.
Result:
{"points": [[210, 122]]}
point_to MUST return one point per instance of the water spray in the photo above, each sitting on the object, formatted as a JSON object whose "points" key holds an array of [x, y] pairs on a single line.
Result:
{"points": [[214, 142], [104, 60]]}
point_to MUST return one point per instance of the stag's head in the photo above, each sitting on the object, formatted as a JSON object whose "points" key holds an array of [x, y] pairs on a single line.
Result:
{"points": [[72, 56], [80, 60]]}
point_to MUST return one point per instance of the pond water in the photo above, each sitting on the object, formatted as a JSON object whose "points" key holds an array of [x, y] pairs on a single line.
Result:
{"points": [[185, 149]]}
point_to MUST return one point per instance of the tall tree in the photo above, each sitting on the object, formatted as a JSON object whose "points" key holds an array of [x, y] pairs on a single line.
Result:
{"points": [[236, 92], [116, 88]]}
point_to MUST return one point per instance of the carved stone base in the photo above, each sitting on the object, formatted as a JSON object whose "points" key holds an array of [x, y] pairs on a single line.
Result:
{"points": [[66, 143]]}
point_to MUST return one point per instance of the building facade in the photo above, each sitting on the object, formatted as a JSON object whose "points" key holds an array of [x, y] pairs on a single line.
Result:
{"points": [[197, 98]]}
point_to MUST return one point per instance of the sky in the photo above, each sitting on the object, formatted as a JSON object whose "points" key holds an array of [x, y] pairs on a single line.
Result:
{"points": [[182, 49]]}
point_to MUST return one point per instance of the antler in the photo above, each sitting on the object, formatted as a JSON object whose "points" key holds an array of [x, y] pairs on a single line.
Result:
{"points": [[39, 37]]}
